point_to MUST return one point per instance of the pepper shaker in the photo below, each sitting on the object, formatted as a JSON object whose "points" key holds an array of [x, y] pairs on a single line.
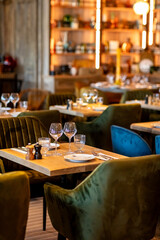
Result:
{"points": [[37, 154]]}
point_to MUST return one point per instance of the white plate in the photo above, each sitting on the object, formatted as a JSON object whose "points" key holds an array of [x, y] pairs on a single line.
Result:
{"points": [[15, 114], [53, 145], [5, 108], [99, 108], [79, 158], [156, 125]]}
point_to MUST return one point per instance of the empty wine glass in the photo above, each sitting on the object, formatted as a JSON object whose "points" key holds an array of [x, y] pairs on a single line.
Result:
{"points": [[79, 142], [93, 95], [56, 132], [70, 130], [45, 143], [14, 98], [5, 98]]}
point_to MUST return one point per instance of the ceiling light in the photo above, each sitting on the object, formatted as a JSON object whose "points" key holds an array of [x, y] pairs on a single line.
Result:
{"points": [[141, 7]]}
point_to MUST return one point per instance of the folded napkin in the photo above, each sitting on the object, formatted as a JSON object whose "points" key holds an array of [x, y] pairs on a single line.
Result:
{"points": [[21, 150], [104, 157]]}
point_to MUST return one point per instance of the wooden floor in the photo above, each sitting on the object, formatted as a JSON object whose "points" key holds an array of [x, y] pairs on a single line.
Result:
{"points": [[34, 225]]}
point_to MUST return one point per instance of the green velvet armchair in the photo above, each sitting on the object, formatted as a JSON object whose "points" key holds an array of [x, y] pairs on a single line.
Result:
{"points": [[138, 94], [45, 116], [98, 132], [58, 99], [17, 132], [14, 204], [119, 200]]}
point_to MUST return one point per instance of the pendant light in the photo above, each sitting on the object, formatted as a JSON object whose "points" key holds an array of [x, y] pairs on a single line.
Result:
{"points": [[141, 7]]}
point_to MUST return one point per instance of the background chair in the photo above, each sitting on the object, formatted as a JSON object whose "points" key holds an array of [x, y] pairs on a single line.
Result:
{"points": [[138, 94], [157, 144], [14, 204], [45, 116], [128, 143], [98, 133], [35, 97], [58, 99], [97, 209]]}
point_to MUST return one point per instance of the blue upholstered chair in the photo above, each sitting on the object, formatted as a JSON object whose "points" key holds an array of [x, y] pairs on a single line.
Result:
{"points": [[157, 144], [128, 143]]}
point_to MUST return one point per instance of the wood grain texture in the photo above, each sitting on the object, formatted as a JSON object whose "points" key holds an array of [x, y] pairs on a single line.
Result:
{"points": [[148, 127], [56, 165]]}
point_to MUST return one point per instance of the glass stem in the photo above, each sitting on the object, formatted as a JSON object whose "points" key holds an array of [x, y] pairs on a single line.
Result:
{"points": [[69, 144], [56, 147]]}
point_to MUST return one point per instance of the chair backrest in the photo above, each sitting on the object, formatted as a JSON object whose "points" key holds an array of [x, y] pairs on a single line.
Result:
{"points": [[45, 116], [119, 200], [35, 97], [157, 144], [135, 95], [98, 131], [58, 99], [14, 204], [128, 143], [17, 132]]}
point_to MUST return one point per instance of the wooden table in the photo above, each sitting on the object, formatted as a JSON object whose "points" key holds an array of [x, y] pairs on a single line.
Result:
{"points": [[57, 165], [106, 87], [11, 113], [155, 107], [88, 111], [147, 127]]}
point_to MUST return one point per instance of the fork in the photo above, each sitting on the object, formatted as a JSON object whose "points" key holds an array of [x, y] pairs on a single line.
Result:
{"points": [[101, 155]]}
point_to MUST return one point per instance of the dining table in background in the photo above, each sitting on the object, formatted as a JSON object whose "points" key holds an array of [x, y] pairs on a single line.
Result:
{"points": [[147, 127], [11, 112], [115, 88], [90, 110], [57, 165]]}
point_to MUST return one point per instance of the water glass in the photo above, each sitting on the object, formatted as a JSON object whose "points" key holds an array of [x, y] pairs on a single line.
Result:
{"points": [[155, 99], [45, 143], [23, 105], [79, 102], [70, 130], [79, 142], [100, 100], [56, 132]]}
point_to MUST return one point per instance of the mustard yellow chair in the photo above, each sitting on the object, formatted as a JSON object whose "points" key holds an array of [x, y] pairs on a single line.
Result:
{"points": [[14, 203], [119, 200]]}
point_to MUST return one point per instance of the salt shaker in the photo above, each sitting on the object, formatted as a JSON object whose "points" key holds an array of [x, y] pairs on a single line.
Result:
{"points": [[37, 154], [29, 155]]}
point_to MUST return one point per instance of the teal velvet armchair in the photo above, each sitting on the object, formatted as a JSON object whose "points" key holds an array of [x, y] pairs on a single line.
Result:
{"points": [[98, 132], [45, 116], [119, 200], [14, 204]]}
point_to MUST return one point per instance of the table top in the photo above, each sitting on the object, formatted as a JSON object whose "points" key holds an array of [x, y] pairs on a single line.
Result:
{"points": [[91, 110], [145, 106], [106, 87], [148, 127], [11, 112], [57, 165]]}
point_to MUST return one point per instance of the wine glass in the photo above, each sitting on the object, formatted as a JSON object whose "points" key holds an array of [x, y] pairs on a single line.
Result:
{"points": [[70, 130], [93, 95], [45, 143], [56, 132], [79, 142], [5, 98], [14, 98]]}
